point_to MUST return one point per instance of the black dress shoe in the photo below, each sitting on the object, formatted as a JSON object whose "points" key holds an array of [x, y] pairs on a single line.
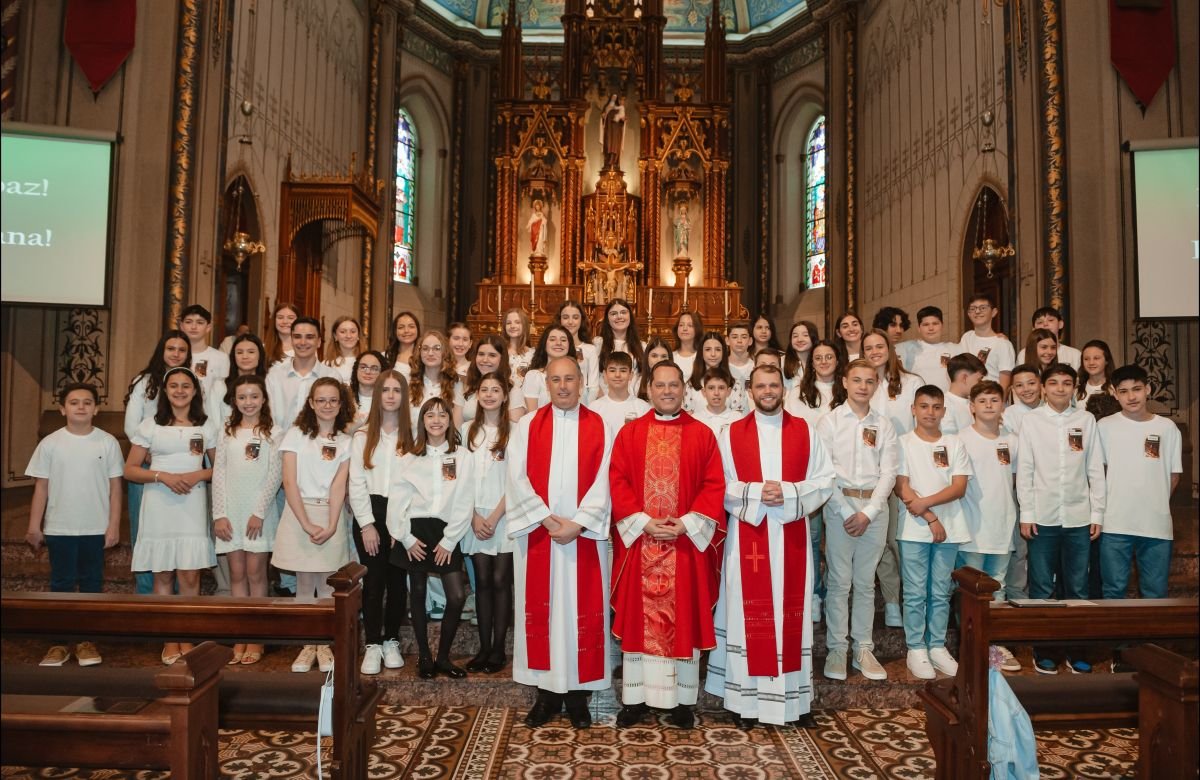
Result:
{"points": [[477, 664], [426, 669], [682, 717], [495, 664], [577, 710], [744, 723], [545, 708], [449, 669], [631, 715], [805, 721]]}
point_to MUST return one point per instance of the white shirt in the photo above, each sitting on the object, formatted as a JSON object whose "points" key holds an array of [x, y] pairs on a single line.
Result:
{"points": [[794, 405], [958, 414], [990, 503], [617, 413], [437, 484], [928, 361], [898, 409], [1015, 413], [215, 369], [534, 386], [866, 456], [317, 461], [686, 363], [139, 408], [1066, 354], [78, 470], [741, 373], [288, 389], [516, 400], [518, 363], [1138, 485], [1060, 468], [489, 469], [432, 388], [995, 352], [365, 482], [717, 422], [344, 369], [930, 468], [589, 366]]}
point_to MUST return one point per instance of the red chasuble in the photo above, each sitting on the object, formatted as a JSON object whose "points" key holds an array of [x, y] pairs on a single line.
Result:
{"points": [[754, 553], [663, 593], [590, 583]]}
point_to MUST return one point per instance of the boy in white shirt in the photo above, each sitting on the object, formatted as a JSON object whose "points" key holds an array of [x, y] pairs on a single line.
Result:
{"points": [[76, 509], [1060, 488], [210, 364], [618, 406], [1143, 455], [1026, 395], [993, 350], [716, 414], [738, 339], [862, 444], [930, 355], [1049, 318], [965, 371], [933, 474]]}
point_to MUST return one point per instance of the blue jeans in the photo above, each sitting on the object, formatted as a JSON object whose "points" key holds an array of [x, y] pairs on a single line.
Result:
{"points": [[76, 562], [1061, 554], [816, 532], [1117, 552], [925, 568], [994, 565], [287, 579], [144, 580]]}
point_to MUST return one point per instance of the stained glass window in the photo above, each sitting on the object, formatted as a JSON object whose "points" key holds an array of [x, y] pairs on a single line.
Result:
{"points": [[814, 216], [406, 198]]}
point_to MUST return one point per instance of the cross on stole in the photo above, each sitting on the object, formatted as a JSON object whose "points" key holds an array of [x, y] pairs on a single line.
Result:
{"points": [[755, 556]]}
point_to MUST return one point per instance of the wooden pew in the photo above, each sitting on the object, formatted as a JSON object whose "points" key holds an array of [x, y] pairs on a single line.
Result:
{"points": [[175, 731], [957, 708], [247, 700], [1168, 712]]}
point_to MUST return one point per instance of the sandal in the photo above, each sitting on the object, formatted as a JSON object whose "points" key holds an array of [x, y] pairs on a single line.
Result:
{"points": [[169, 658], [252, 656], [239, 652]]}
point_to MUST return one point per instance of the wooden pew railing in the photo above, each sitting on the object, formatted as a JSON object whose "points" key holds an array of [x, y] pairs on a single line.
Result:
{"points": [[957, 708], [247, 699]]}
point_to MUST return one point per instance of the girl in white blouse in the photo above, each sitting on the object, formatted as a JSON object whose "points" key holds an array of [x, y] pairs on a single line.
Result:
{"points": [[556, 342], [812, 396], [316, 463], [246, 477], [516, 331], [429, 510], [375, 456], [571, 316], [344, 347], [489, 356], [490, 548], [368, 368], [432, 374]]}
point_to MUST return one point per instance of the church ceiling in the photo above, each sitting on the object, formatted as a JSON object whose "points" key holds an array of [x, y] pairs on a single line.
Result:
{"points": [[685, 18]]}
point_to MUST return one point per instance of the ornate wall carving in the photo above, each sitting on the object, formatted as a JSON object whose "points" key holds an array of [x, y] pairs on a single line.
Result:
{"points": [[183, 128], [82, 350]]}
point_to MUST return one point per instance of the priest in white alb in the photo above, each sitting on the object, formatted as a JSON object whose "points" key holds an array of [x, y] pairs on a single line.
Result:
{"points": [[777, 472], [558, 513]]}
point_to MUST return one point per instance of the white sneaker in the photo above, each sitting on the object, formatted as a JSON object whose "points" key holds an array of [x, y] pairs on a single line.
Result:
{"points": [[1008, 661], [816, 609], [892, 617], [942, 661], [835, 665], [304, 661], [372, 660], [391, 654], [469, 606], [324, 658], [866, 662], [919, 665]]}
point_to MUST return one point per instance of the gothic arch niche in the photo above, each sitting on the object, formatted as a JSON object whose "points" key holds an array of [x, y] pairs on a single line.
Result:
{"points": [[988, 219], [797, 117], [430, 250], [237, 286]]}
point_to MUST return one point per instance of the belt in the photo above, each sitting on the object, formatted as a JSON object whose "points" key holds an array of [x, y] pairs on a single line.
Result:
{"points": [[856, 493]]}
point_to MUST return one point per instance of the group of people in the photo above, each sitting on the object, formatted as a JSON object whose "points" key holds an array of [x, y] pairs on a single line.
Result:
{"points": [[717, 493]]}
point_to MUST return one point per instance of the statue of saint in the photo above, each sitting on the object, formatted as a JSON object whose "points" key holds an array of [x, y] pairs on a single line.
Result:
{"points": [[537, 230], [612, 131], [683, 231], [609, 278]]}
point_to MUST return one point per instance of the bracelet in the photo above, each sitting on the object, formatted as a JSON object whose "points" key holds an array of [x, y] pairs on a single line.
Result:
{"points": [[156, 476]]}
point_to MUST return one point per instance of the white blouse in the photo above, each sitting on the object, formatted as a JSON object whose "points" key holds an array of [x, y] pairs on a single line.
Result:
{"points": [[317, 461], [437, 484]]}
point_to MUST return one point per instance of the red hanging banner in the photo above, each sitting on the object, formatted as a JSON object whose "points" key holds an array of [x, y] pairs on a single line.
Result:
{"points": [[1142, 44], [100, 36]]}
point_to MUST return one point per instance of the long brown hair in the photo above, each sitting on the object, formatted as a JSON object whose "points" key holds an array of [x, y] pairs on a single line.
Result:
{"points": [[374, 427], [792, 363], [307, 420], [416, 370], [274, 343], [1031, 355], [1106, 385], [503, 426], [525, 327], [697, 329], [421, 440], [265, 423], [496, 342], [394, 346], [808, 391], [333, 350], [633, 344], [699, 367], [893, 370], [654, 343]]}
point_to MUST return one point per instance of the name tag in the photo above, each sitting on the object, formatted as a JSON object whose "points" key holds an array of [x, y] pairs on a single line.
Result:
{"points": [[983, 354], [328, 451], [1075, 439], [449, 469], [941, 458], [1003, 455], [1152, 447], [253, 449], [196, 444], [869, 434]]}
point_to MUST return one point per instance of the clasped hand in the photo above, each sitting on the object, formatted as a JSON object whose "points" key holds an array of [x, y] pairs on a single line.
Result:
{"points": [[772, 493], [664, 529], [562, 530]]}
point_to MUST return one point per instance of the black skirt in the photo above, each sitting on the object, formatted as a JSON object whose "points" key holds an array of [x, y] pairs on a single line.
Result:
{"points": [[430, 531]]}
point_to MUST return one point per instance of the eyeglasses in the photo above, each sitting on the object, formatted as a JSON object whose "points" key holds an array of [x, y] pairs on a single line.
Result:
{"points": [[326, 401], [982, 309], [433, 348], [370, 369]]}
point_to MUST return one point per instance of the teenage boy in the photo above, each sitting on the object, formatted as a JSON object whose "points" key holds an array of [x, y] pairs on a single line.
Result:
{"points": [[76, 508], [618, 406], [933, 475], [768, 356], [965, 371], [1142, 452], [208, 363], [1049, 318], [716, 414], [1060, 488], [1026, 395], [289, 381], [930, 356], [894, 321], [863, 446], [982, 341], [990, 503], [738, 339]]}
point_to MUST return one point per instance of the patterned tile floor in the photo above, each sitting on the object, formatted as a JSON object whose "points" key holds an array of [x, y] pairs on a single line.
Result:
{"points": [[491, 743]]}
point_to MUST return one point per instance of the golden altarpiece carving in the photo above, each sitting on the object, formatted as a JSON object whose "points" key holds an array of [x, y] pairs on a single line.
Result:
{"points": [[578, 215]]}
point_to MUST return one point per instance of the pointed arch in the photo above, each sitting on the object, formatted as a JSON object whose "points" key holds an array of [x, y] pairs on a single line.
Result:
{"points": [[405, 206], [814, 206]]}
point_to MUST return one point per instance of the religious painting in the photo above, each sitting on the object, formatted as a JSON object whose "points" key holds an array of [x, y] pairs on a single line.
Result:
{"points": [[815, 207], [406, 198]]}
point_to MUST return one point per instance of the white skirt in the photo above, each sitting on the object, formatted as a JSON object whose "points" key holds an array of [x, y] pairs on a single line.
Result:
{"points": [[295, 551]]}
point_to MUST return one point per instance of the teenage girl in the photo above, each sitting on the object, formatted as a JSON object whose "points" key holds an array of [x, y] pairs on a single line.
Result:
{"points": [[618, 333], [459, 336], [714, 352], [344, 347], [1096, 367], [571, 316], [656, 352], [490, 356], [849, 334], [368, 367], [555, 342], [279, 338], [1041, 348], [762, 331], [432, 375], [174, 541], [406, 330], [799, 349], [246, 475], [249, 358], [688, 328], [516, 331], [812, 397]]}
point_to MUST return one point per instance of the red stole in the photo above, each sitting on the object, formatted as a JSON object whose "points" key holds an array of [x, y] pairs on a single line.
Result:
{"points": [[590, 584], [754, 553]]}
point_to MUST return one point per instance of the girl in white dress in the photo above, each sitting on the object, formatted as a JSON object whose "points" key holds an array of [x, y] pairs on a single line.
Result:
{"points": [[516, 331], [247, 356], [173, 541], [364, 378], [555, 342], [345, 345], [490, 356], [459, 336], [406, 330], [246, 475], [1095, 371], [486, 440], [713, 352], [897, 387], [688, 329], [374, 457], [429, 510], [432, 375], [316, 462], [570, 316], [618, 333], [796, 357]]}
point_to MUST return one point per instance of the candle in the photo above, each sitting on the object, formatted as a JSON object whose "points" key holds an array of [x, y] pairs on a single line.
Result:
{"points": [[685, 289], [649, 303], [500, 299], [727, 304], [531, 291]]}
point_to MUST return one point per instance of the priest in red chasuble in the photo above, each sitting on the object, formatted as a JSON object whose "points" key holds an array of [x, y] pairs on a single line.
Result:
{"points": [[558, 513], [667, 490], [777, 472]]}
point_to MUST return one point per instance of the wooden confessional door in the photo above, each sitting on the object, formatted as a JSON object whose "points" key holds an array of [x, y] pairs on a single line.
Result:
{"points": [[300, 271]]}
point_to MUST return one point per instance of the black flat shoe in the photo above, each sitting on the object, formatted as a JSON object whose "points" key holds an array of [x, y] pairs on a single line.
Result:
{"points": [[543, 710], [477, 664], [746, 724], [494, 665], [426, 669], [577, 710], [449, 669], [805, 721], [631, 715], [682, 717]]}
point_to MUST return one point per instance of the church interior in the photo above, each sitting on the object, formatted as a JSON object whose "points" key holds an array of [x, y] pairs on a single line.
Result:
{"points": [[457, 159]]}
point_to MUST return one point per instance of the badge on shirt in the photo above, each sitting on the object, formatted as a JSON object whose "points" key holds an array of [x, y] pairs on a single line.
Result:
{"points": [[449, 468], [1075, 439], [1002, 454], [498, 456], [869, 433], [196, 444], [1151, 447], [201, 368], [941, 458], [328, 451], [945, 359], [253, 448], [983, 354]]}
